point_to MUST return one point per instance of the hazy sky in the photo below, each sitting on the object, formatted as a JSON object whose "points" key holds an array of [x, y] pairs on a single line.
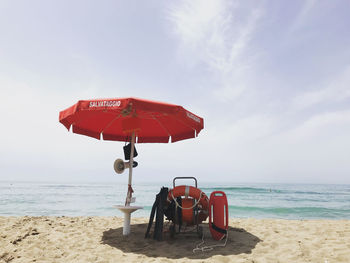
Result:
{"points": [[270, 78]]}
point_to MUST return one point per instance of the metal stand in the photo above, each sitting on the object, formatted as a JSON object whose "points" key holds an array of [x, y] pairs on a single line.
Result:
{"points": [[199, 229], [127, 210]]}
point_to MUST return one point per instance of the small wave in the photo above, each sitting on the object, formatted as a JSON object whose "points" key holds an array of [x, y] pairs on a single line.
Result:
{"points": [[290, 212], [315, 193], [252, 190], [239, 189], [70, 186]]}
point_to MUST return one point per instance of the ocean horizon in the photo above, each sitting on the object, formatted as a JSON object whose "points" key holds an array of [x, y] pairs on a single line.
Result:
{"points": [[246, 200]]}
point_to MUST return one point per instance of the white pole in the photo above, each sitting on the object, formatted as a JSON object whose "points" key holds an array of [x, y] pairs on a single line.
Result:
{"points": [[129, 194], [127, 209], [131, 157], [126, 227]]}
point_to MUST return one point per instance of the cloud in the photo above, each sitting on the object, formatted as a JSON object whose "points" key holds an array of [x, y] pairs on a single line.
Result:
{"points": [[194, 21], [303, 16], [32, 140], [249, 129], [210, 33], [335, 91], [326, 125]]}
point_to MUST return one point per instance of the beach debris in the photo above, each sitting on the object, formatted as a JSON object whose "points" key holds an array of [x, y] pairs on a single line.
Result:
{"points": [[6, 257], [29, 232]]}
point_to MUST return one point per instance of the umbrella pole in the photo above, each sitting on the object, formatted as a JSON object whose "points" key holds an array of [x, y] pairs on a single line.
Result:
{"points": [[127, 209], [130, 191]]}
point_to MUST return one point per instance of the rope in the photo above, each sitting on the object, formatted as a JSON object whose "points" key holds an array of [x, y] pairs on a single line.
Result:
{"points": [[177, 204], [209, 248]]}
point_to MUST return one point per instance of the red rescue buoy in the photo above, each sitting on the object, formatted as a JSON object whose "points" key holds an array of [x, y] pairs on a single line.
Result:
{"points": [[218, 215], [187, 211]]}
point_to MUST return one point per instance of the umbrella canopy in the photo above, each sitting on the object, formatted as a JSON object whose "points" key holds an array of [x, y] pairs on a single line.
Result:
{"points": [[137, 120], [114, 119]]}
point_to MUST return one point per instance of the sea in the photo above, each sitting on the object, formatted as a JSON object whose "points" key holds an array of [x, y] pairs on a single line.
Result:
{"points": [[285, 201]]}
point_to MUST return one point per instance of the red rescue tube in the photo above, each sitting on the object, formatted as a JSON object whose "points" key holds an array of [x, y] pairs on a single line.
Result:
{"points": [[218, 215]]}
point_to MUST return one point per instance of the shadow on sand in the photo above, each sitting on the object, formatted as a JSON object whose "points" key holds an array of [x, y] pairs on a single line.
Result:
{"points": [[239, 241]]}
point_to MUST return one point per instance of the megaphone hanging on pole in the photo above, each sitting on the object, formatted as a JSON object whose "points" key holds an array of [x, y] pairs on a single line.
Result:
{"points": [[120, 165]]}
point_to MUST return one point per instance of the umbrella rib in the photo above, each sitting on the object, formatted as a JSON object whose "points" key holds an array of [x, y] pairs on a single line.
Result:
{"points": [[161, 124], [110, 123], [188, 126], [95, 113], [173, 117]]}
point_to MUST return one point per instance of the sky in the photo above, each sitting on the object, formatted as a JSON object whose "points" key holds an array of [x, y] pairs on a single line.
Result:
{"points": [[270, 78]]}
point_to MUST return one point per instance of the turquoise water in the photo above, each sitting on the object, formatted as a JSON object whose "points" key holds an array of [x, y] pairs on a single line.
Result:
{"points": [[288, 201]]}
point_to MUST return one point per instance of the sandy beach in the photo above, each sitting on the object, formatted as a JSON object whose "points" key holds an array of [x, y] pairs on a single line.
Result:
{"points": [[100, 239]]}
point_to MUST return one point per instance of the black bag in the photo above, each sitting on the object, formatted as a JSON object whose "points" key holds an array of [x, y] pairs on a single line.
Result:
{"points": [[127, 151]]}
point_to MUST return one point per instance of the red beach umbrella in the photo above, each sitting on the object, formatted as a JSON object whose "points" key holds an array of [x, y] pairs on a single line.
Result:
{"points": [[115, 118], [143, 121]]}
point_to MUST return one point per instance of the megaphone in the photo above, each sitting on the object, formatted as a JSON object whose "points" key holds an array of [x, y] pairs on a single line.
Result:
{"points": [[120, 165]]}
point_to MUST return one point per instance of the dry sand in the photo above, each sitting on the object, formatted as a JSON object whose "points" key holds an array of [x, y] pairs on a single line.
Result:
{"points": [[100, 239]]}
